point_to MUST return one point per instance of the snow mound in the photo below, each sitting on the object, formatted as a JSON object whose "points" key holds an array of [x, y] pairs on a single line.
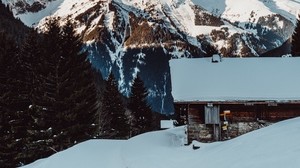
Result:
{"points": [[275, 146]]}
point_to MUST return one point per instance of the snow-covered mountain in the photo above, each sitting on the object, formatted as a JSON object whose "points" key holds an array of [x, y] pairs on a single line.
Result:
{"points": [[132, 36]]}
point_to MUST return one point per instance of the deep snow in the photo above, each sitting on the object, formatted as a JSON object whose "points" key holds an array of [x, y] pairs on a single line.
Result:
{"points": [[276, 146], [249, 79]]}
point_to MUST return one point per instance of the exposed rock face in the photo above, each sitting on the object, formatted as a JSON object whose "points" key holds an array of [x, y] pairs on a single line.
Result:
{"points": [[25, 6]]}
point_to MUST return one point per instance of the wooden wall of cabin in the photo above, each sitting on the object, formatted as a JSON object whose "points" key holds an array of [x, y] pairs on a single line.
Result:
{"points": [[189, 114], [194, 113], [246, 113], [181, 113], [240, 112], [242, 118], [282, 112]]}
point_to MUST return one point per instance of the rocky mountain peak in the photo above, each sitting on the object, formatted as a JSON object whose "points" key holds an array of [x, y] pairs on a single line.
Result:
{"points": [[140, 36]]}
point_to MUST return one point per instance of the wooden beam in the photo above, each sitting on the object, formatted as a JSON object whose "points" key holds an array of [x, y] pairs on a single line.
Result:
{"points": [[237, 102]]}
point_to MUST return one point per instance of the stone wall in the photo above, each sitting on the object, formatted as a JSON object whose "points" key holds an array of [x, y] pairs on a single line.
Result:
{"points": [[204, 133], [200, 132]]}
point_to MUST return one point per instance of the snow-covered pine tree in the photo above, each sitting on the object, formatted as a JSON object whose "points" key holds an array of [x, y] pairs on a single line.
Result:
{"points": [[140, 110], [116, 122], [295, 48]]}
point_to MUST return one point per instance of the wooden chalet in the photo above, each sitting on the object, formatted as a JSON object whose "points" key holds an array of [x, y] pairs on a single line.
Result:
{"points": [[223, 98]]}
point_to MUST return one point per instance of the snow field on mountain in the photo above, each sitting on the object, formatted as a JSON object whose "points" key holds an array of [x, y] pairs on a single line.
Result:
{"points": [[32, 19], [179, 12], [275, 146], [71, 9], [241, 10]]}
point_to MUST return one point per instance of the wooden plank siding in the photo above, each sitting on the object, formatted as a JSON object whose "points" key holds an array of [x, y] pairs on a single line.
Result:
{"points": [[244, 112], [196, 114], [243, 117], [212, 114]]}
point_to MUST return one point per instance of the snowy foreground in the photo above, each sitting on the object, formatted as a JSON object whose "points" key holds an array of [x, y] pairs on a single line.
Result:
{"points": [[276, 146]]}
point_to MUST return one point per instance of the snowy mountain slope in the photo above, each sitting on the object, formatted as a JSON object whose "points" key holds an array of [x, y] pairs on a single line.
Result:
{"points": [[140, 36], [252, 15], [255, 21], [241, 10], [127, 40], [275, 146], [32, 11]]}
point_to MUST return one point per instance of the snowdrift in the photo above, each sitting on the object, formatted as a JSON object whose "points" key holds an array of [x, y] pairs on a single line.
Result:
{"points": [[275, 146]]}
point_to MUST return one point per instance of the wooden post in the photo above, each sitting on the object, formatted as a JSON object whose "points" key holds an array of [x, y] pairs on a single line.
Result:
{"points": [[215, 137], [188, 124], [217, 132]]}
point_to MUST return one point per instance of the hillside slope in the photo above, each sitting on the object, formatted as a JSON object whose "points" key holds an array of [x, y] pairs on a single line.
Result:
{"points": [[275, 146], [10, 26]]}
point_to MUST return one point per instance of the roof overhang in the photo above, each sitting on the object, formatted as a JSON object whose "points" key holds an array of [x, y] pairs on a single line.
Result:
{"points": [[239, 102]]}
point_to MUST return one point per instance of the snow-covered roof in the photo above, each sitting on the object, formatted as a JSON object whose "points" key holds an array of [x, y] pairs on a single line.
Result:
{"points": [[236, 79]]}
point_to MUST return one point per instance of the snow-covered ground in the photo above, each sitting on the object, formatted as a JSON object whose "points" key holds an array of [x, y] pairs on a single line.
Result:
{"points": [[276, 146]]}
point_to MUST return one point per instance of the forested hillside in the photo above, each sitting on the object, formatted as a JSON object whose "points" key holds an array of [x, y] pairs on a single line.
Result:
{"points": [[51, 98]]}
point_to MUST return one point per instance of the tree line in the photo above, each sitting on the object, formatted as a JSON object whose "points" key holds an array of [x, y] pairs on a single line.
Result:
{"points": [[51, 97], [295, 47]]}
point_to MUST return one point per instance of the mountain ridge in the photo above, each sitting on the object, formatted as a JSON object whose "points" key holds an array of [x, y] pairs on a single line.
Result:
{"points": [[132, 36]]}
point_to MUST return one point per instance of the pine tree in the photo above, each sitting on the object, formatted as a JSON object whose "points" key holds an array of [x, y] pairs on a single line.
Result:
{"points": [[78, 89], [116, 122], [210, 50], [5, 10], [29, 59], [44, 92], [37, 135], [7, 113], [65, 99], [140, 110], [295, 48], [20, 101], [14, 102], [48, 98], [16, 76], [100, 121]]}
